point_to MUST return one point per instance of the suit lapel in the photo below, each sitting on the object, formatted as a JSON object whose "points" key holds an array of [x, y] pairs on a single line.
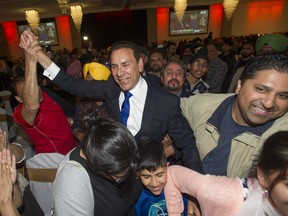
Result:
{"points": [[115, 105], [113, 95], [149, 108]]}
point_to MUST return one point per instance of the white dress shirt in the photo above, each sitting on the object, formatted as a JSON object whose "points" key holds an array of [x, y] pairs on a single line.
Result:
{"points": [[52, 71], [137, 103]]}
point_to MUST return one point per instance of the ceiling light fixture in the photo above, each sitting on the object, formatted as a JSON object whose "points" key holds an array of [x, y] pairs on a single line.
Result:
{"points": [[229, 7], [180, 7], [63, 5], [76, 14], [32, 17]]}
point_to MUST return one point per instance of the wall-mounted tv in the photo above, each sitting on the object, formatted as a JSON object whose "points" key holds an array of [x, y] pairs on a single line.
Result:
{"points": [[195, 21], [47, 32]]}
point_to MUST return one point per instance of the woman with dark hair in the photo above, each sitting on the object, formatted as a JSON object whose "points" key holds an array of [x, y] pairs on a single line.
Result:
{"points": [[98, 177], [264, 193]]}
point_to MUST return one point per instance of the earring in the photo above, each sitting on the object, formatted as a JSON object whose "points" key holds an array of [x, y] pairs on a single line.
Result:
{"points": [[264, 194]]}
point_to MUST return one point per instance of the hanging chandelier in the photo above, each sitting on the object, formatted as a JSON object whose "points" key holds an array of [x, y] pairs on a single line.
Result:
{"points": [[32, 17], [229, 7], [76, 14], [63, 5], [180, 7]]}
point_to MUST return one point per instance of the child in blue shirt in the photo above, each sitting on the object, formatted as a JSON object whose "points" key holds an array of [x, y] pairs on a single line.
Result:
{"points": [[152, 171]]}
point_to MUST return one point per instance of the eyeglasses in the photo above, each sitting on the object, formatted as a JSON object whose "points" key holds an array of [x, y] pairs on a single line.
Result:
{"points": [[198, 64]]}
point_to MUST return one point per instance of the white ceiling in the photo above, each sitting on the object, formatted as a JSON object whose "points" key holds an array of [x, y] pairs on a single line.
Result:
{"points": [[13, 10]]}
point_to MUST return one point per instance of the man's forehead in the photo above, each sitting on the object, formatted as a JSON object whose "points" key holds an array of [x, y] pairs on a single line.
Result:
{"points": [[155, 172], [201, 60], [265, 77], [156, 55], [122, 53], [122, 49], [174, 69]]}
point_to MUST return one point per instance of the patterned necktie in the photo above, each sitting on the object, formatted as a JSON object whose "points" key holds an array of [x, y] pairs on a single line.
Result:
{"points": [[125, 109]]}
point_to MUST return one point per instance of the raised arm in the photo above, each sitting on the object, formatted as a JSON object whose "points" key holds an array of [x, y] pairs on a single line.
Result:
{"points": [[31, 92]]}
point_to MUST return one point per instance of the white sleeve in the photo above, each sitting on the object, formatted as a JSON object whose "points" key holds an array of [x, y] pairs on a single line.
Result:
{"points": [[73, 194], [52, 71]]}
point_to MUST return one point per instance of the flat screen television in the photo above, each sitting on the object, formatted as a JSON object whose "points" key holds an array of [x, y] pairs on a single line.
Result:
{"points": [[47, 32], [195, 21]]}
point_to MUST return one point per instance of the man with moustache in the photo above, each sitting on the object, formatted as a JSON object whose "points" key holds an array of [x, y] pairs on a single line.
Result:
{"points": [[230, 128], [246, 52], [173, 78], [156, 60]]}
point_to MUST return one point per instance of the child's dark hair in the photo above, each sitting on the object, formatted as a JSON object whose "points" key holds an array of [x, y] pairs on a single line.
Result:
{"points": [[151, 153], [273, 158]]}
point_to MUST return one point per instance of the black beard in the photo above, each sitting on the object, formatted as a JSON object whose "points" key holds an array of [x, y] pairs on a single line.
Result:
{"points": [[245, 55], [156, 68], [170, 88], [173, 87]]}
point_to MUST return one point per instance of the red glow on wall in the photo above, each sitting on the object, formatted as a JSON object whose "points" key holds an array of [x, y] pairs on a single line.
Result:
{"points": [[10, 32], [216, 13], [162, 17], [259, 10], [63, 26], [64, 31], [215, 19]]}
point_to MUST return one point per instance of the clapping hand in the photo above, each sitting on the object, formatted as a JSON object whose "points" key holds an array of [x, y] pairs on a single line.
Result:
{"points": [[7, 178], [5, 156], [3, 140], [6, 182]]}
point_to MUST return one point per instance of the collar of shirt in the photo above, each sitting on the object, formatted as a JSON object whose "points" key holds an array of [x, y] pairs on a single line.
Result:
{"points": [[139, 92], [137, 103]]}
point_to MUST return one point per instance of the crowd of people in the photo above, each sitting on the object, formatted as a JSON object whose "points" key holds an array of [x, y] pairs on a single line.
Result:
{"points": [[155, 131]]}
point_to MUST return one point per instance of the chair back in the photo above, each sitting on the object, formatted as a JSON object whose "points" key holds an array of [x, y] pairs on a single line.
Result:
{"points": [[41, 172], [6, 116]]}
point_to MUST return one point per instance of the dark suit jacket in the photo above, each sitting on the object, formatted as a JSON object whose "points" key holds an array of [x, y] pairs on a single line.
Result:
{"points": [[161, 115]]}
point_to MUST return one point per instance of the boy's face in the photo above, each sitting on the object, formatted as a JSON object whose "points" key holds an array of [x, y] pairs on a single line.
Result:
{"points": [[154, 181]]}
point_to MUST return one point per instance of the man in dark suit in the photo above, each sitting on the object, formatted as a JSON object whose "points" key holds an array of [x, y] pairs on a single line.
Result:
{"points": [[153, 111]]}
